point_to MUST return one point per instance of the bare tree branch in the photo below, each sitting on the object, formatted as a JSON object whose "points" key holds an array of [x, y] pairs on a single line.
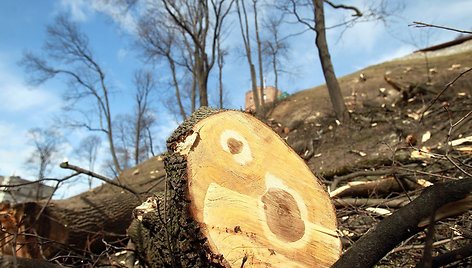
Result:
{"points": [[66, 165], [448, 85], [419, 24], [69, 51], [357, 12]]}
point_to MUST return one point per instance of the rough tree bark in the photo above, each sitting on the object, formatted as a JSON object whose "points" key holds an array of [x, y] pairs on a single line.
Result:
{"points": [[328, 70], [229, 203], [244, 27], [259, 54]]}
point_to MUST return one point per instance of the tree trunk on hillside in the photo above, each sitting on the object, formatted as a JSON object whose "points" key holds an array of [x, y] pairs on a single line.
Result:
{"points": [[244, 27], [259, 54], [334, 89], [236, 196]]}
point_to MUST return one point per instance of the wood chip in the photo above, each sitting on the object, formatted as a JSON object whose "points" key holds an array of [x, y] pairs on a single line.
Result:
{"points": [[424, 182], [461, 141], [464, 149], [426, 136], [424, 153], [380, 211], [358, 152]]}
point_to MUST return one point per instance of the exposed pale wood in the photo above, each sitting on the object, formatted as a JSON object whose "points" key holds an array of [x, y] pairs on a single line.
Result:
{"points": [[244, 178], [376, 187], [376, 202], [237, 196]]}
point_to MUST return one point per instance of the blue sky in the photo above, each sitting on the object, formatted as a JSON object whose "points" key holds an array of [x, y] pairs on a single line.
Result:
{"points": [[23, 24]]}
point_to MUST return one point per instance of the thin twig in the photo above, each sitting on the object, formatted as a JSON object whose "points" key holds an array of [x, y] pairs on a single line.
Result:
{"points": [[447, 156], [448, 85], [462, 119], [432, 174], [458, 167], [435, 244], [419, 24], [427, 258], [50, 196], [66, 165], [371, 202]]}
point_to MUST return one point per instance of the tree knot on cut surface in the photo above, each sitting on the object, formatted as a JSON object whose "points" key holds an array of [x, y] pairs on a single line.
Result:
{"points": [[283, 215], [235, 143], [235, 146]]}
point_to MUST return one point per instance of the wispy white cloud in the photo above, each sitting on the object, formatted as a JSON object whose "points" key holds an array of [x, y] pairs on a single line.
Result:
{"points": [[17, 97], [122, 54], [118, 13], [390, 55], [78, 9], [82, 10], [22, 108], [13, 149]]}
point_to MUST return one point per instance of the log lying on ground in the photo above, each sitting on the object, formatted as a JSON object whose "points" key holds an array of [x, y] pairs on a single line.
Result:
{"points": [[9, 261], [71, 227], [407, 221], [75, 227], [236, 196]]}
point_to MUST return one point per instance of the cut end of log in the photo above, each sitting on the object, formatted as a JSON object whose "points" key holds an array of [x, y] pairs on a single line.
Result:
{"points": [[252, 182], [253, 199]]}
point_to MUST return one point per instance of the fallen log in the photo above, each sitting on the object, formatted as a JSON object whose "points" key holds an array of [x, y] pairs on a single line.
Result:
{"points": [[76, 229], [236, 196], [9, 261], [407, 221]]}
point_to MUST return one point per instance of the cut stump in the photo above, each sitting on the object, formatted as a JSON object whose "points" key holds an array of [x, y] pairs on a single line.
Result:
{"points": [[237, 196]]}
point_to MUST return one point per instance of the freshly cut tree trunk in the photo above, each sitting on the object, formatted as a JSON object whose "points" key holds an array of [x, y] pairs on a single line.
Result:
{"points": [[236, 196]]}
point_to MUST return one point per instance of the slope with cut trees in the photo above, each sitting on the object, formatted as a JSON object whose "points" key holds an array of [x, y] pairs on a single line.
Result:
{"points": [[396, 148]]}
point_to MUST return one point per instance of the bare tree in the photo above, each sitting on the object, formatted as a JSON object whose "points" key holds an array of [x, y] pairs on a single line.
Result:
{"points": [[316, 23], [245, 34], [202, 22], [259, 51], [88, 150], [145, 85], [159, 40], [69, 55], [133, 139], [334, 89], [275, 47], [46, 144], [123, 125], [222, 53]]}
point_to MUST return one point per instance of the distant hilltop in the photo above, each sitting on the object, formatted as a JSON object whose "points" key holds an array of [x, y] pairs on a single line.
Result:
{"points": [[456, 46]]}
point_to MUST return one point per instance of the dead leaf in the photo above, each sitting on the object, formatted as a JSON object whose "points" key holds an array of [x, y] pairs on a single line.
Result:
{"points": [[380, 211], [426, 136]]}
